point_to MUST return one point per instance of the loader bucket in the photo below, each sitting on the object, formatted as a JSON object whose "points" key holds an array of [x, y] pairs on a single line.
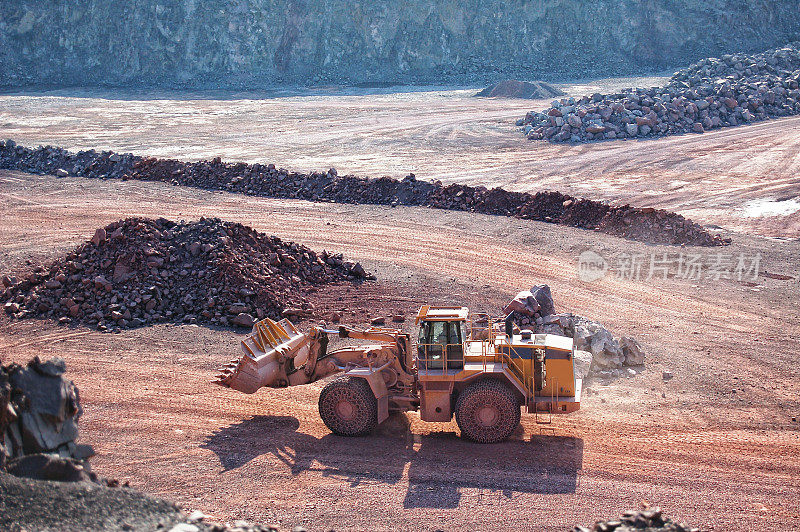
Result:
{"points": [[264, 354]]}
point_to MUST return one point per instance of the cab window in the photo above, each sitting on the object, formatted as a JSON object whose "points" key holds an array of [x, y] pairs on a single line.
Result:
{"points": [[455, 333]]}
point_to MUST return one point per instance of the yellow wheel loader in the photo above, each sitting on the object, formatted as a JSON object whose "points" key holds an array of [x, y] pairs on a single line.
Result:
{"points": [[457, 366]]}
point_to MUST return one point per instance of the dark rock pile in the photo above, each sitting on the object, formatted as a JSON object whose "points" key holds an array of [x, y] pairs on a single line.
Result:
{"points": [[41, 505], [712, 93], [141, 271], [647, 225], [527, 90], [648, 519]]}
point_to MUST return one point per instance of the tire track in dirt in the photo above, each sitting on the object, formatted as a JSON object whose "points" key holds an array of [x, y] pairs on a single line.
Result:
{"points": [[445, 135], [707, 458]]}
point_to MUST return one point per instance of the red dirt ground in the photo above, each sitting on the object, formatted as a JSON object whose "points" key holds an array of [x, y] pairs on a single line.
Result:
{"points": [[717, 446]]}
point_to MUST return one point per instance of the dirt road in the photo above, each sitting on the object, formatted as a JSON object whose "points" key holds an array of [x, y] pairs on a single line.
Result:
{"points": [[730, 177], [716, 446]]}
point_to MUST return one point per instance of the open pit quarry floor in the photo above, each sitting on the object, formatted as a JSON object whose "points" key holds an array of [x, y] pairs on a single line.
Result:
{"points": [[728, 178], [717, 446]]}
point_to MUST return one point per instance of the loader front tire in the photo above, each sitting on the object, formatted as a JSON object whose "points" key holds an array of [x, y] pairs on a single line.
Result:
{"points": [[487, 411], [348, 407]]}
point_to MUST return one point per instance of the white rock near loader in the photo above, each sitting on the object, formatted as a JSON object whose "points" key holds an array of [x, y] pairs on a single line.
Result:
{"points": [[534, 309]]}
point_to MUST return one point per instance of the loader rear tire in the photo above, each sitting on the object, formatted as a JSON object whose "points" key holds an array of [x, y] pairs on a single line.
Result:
{"points": [[348, 407], [487, 411]]}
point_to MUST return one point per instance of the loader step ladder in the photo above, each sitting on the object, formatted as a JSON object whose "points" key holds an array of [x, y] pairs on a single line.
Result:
{"points": [[529, 384], [548, 419]]}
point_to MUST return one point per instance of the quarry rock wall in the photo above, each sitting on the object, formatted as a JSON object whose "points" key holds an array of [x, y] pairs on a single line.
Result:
{"points": [[260, 43]]}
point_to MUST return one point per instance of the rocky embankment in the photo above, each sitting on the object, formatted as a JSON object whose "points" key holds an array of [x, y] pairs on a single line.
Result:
{"points": [[46, 482], [141, 271], [643, 224], [712, 93]]}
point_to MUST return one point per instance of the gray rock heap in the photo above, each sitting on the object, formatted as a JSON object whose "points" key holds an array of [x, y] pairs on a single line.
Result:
{"points": [[647, 519], [712, 93], [140, 271], [597, 349], [527, 90]]}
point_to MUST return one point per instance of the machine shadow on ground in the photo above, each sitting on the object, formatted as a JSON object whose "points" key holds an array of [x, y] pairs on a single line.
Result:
{"points": [[440, 464]]}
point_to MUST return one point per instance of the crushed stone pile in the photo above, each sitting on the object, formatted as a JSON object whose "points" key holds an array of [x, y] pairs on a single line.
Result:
{"points": [[598, 351], [527, 90], [648, 519], [28, 504], [141, 271], [649, 225], [39, 423], [710, 94]]}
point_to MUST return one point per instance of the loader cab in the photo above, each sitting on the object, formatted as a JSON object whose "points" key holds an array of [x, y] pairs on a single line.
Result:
{"points": [[442, 334]]}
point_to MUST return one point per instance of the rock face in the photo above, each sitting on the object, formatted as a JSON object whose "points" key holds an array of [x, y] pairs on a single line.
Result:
{"points": [[232, 43], [145, 271], [526, 90], [648, 225], [713, 93]]}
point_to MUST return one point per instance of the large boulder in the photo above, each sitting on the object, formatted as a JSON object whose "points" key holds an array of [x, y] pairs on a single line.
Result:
{"points": [[606, 351], [542, 295], [243, 319], [41, 411], [550, 324], [593, 337], [582, 363], [536, 302], [582, 337], [523, 303]]}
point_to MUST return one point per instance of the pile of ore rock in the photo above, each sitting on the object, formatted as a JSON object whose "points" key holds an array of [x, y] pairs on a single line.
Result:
{"points": [[647, 519], [598, 351], [140, 271], [527, 90], [39, 412], [712, 93], [649, 225]]}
